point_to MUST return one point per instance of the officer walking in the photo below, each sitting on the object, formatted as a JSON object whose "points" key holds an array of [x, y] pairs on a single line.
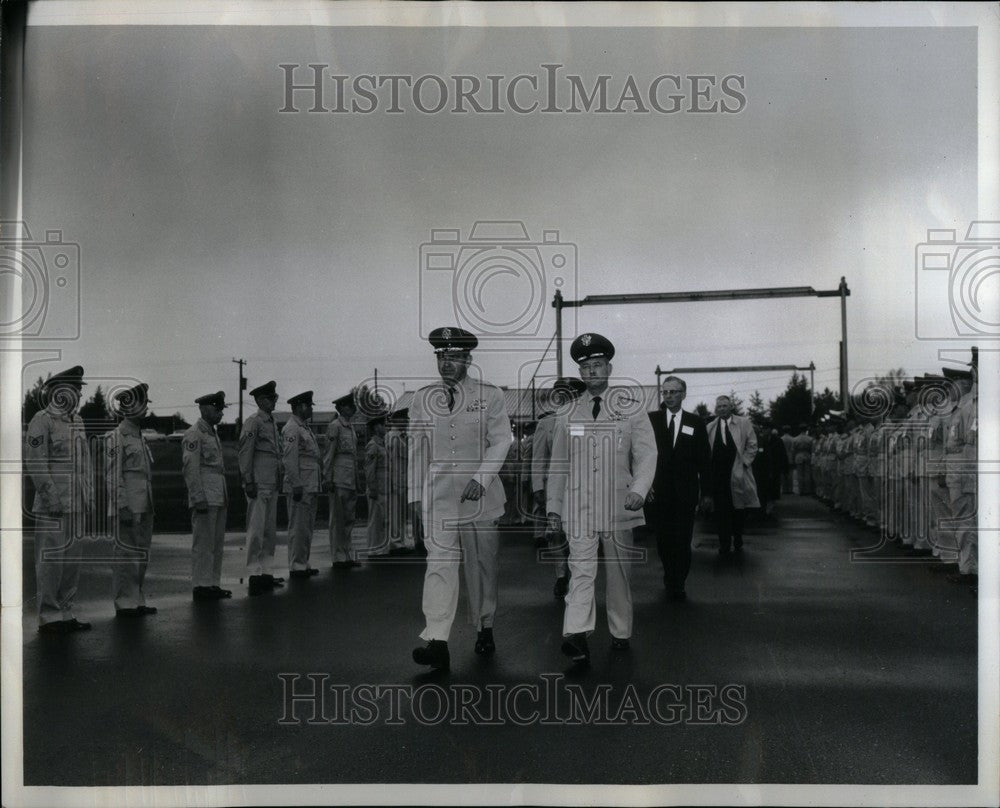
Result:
{"points": [[602, 467], [204, 474], [461, 436], [340, 470], [58, 461], [129, 474], [260, 469], [301, 463]]}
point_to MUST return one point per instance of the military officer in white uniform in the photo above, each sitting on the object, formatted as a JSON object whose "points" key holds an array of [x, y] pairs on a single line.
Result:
{"points": [[58, 461], [602, 467], [260, 470], [340, 471], [564, 393], [461, 434], [303, 483], [129, 474], [205, 476]]}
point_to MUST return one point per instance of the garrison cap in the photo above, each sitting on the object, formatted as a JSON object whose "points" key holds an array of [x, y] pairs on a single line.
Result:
{"points": [[451, 339], [400, 415], [270, 389], [347, 398], [301, 398], [955, 374], [71, 376], [215, 399], [133, 399], [590, 346], [378, 418]]}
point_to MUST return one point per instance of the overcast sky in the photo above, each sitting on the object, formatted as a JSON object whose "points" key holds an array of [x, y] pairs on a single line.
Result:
{"points": [[211, 226]]}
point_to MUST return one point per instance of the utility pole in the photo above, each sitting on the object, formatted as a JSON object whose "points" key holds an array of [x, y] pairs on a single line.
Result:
{"points": [[243, 386]]}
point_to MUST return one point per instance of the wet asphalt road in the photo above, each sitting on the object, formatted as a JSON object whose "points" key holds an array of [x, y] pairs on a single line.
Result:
{"points": [[841, 671]]}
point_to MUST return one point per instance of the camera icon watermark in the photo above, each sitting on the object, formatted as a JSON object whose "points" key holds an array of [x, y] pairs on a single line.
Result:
{"points": [[48, 273], [497, 283], [964, 273]]}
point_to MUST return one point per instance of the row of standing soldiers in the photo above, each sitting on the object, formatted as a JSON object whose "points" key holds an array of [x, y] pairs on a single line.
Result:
{"points": [[905, 463]]}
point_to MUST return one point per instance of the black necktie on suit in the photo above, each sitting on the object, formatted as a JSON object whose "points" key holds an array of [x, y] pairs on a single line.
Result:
{"points": [[727, 436], [719, 440], [451, 399], [597, 407], [670, 430]]}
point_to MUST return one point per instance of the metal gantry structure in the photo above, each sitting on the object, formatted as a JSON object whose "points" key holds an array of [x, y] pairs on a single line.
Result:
{"points": [[811, 367], [714, 295]]}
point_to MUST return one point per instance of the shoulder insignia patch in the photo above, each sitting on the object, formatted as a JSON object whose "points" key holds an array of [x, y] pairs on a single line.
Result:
{"points": [[36, 442], [191, 445], [289, 439]]}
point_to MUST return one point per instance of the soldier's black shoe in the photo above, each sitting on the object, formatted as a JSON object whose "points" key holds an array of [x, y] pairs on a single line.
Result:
{"points": [[274, 583], [435, 654], [341, 565], [561, 587], [54, 627], [204, 593], [484, 643], [222, 593], [258, 585], [620, 643], [677, 595], [575, 647], [144, 610], [299, 574], [76, 625], [353, 563], [132, 612]]}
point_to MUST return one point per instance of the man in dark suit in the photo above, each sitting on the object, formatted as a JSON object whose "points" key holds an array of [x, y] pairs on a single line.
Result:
{"points": [[682, 471]]}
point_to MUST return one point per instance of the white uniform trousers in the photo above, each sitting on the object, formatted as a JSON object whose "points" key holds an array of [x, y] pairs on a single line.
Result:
{"points": [[943, 536], [478, 543], [57, 566], [130, 560], [301, 522], [343, 502], [581, 610], [262, 532], [209, 535]]}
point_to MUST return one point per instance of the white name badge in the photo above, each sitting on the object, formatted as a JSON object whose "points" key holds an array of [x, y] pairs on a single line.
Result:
{"points": [[687, 430], [576, 430]]}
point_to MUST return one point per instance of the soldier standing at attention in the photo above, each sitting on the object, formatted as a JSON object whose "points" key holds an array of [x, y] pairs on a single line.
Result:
{"points": [[260, 468], [377, 486], [300, 460], [204, 474], [58, 461], [461, 435], [340, 470], [129, 474], [603, 465]]}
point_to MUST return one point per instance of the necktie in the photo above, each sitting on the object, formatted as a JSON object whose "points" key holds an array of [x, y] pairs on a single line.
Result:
{"points": [[451, 399], [597, 407], [671, 430], [719, 439], [726, 437]]}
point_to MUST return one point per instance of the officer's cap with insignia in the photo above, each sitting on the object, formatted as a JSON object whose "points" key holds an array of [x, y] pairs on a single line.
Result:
{"points": [[214, 399], [451, 339], [72, 377], [301, 398], [955, 375], [591, 346], [270, 390], [345, 400], [132, 400]]}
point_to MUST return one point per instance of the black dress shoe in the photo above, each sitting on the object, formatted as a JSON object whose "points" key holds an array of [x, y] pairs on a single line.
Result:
{"points": [[258, 585], [620, 643], [341, 565], [76, 625], [313, 571], [147, 610], [222, 593], [54, 627], [299, 574], [133, 612], [353, 563], [204, 593], [435, 654], [274, 583], [677, 595], [484, 643], [575, 647], [561, 588]]}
